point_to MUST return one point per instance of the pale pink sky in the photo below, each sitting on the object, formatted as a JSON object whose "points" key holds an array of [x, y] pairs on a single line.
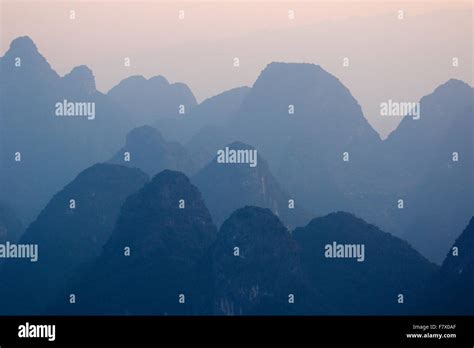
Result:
{"points": [[389, 58]]}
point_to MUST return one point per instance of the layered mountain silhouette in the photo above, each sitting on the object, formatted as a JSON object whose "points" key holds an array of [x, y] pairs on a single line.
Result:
{"points": [[151, 99], [206, 128], [305, 123], [256, 267], [216, 111], [206, 142], [219, 109], [70, 232], [145, 148], [152, 247], [164, 257], [433, 160], [247, 185], [303, 119], [178, 264], [151, 258], [41, 151], [370, 283], [438, 114], [451, 290], [457, 273]]}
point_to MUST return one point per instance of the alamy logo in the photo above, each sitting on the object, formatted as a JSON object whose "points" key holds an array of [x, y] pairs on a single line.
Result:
{"points": [[37, 331], [20, 251], [84, 109], [228, 155], [345, 251], [402, 109]]}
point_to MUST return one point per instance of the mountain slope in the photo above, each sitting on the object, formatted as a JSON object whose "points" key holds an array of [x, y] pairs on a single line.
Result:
{"points": [[301, 147], [39, 149], [229, 186], [10, 226], [68, 235], [261, 275], [364, 283], [451, 290], [432, 161], [166, 245], [151, 99], [150, 152], [215, 111]]}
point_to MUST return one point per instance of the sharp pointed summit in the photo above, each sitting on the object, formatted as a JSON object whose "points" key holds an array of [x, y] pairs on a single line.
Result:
{"points": [[24, 64], [166, 230]]}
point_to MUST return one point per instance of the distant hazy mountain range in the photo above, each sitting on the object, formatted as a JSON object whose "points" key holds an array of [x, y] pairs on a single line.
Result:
{"points": [[314, 146], [40, 151], [152, 99]]}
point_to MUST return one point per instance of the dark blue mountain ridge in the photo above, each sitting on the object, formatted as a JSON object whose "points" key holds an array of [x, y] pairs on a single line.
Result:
{"points": [[463, 261], [68, 234], [458, 267], [451, 289], [174, 249], [256, 268], [368, 285], [167, 239]]}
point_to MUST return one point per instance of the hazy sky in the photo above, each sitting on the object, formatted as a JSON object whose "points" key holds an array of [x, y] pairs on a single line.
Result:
{"points": [[389, 58]]}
